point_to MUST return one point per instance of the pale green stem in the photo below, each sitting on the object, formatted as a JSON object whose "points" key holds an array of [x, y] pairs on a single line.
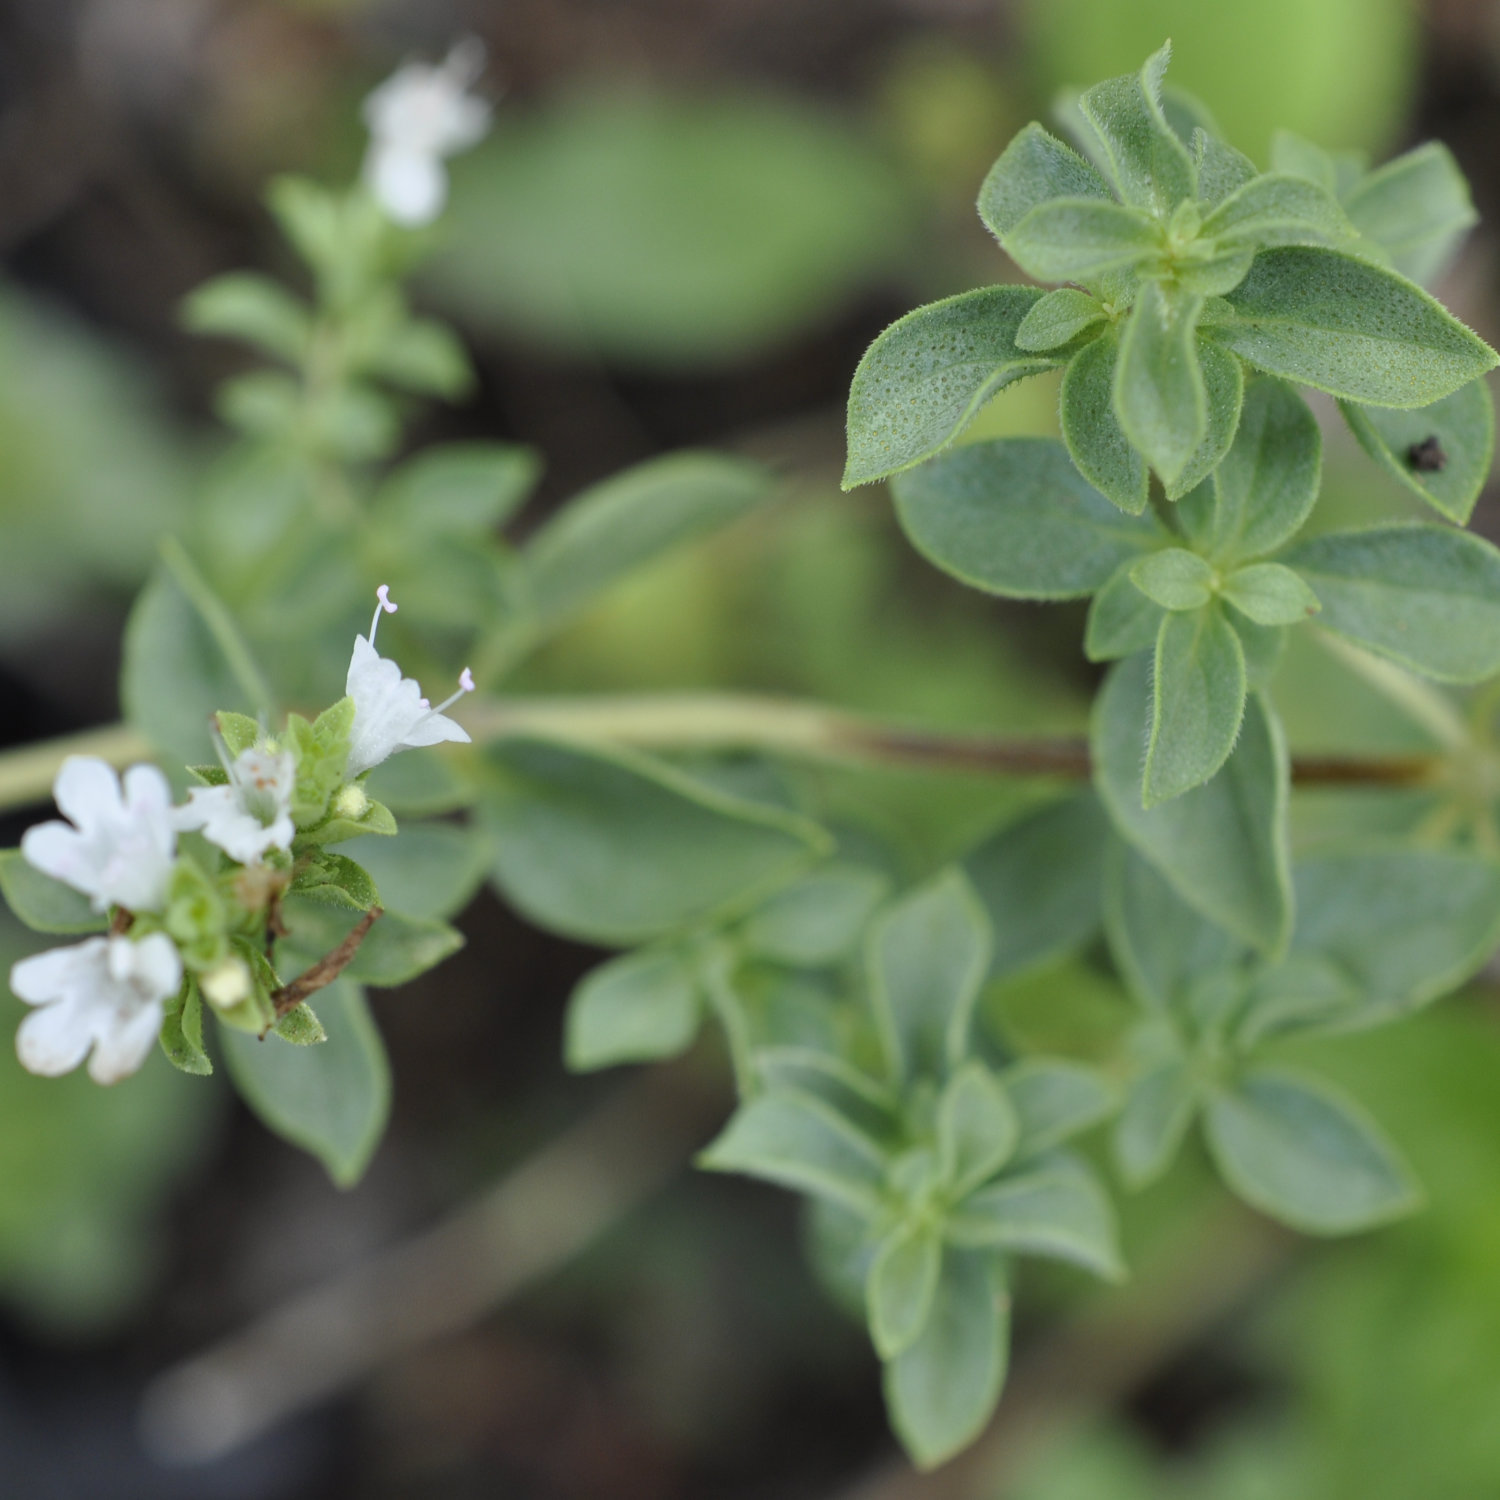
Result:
{"points": [[1425, 705]]}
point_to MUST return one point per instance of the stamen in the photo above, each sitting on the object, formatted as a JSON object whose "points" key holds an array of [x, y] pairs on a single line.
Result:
{"points": [[385, 606], [465, 685]]}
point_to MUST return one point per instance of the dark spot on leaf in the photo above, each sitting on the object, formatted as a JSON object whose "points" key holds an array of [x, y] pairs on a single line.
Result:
{"points": [[1427, 457]]}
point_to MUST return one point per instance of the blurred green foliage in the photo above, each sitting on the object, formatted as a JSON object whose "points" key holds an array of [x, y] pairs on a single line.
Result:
{"points": [[668, 231], [1341, 72]]}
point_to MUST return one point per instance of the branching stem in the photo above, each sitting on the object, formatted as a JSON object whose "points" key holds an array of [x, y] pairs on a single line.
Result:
{"points": [[328, 968]]}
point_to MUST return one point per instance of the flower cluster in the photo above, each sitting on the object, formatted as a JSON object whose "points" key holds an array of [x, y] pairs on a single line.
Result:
{"points": [[269, 808]]}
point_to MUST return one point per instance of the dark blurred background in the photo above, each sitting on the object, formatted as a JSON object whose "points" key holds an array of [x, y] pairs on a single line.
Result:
{"points": [[690, 218]]}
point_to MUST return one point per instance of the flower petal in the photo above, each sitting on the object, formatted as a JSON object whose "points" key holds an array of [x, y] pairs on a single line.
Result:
{"points": [[46, 977], [410, 185], [55, 1039], [122, 1049], [59, 850], [87, 791]]}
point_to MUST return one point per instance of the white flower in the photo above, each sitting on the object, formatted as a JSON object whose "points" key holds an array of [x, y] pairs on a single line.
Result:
{"points": [[252, 811], [105, 994], [418, 116], [390, 712], [118, 850]]}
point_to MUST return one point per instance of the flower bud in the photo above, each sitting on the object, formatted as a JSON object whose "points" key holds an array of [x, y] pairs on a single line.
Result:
{"points": [[226, 984]]}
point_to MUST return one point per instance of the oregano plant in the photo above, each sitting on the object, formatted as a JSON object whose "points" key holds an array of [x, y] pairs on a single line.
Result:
{"points": [[1189, 301]]}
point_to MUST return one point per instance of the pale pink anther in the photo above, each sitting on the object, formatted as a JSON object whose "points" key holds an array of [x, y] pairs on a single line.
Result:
{"points": [[385, 606], [465, 685]]}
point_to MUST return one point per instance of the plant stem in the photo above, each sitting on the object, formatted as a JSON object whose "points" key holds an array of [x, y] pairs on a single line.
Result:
{"points": [[731, 721]]}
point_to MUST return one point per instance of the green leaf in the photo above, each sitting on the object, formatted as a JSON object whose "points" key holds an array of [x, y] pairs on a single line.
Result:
{"points": [[1121, 619], [942, 1389], [1278, 209], [460, 489], [1147, 162], [1402, 927], [1427, 597], [1061, 1214], [1038, 881], [928, 955], [1159, 393], [1159, 943], [1159, 1109], [1442, 452], [1174, 578], [182, 1032], [926, 377], [1080, 239], [1290, 153], [817, 920], [1054, 1101], [902, 1288], [336, 879], [1058, 319], [42, 903], [244, 305], [615, 848], [1223, 846], [421, 356], [332, 1100], [300, 1027], [1197, 702], [239, 731], [1222, 171], [800, 1142], [627, 521], [1095, 439], [430, 870], [184, 658], [1013, 517], [1224, 390], [1033, 169], [395, 949], [1270, 594], [1306, 1155], [1345, 326], [1416, 208], [637, 1008], [977, 1128], [1265, 489]]}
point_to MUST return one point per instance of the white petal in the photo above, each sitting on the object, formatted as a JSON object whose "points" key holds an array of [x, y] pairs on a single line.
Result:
{"points": [[146, 790], [49, 976], [157, 967], [434, 730], [87, 791], [59, 850], [204, 803], [410, 185], [55, 1039], [122, 1049]]}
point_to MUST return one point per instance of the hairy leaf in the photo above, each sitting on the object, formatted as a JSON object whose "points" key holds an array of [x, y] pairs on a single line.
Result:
{"points": [[1080, 239], [1197, 702], [1058, 319], [1096, 440], [1159, 393], [977, 1127], [902, 1288], [1034, 168], [637, 1008], [1270, 594], [1416, 208], [1151, 1128]]}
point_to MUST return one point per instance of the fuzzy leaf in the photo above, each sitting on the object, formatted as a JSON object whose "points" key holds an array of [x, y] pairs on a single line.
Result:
{"points": [[460, 489], [1121, 619], [1058, 319], [941, 1390], [1151, 1128], [816, 920], [1442, 452], [1305, 1155], [1270, 594], [1148, 163], [977, 1128], [799, 1142], [1063, 1215], [1096, 440], [615, 848], [182, 1032], [926, 377], [1159, 394], [1197, 702], [1174, 578], [928, 955], [1054, 1101], [1013, 517], [1080, 239], [1034, 168], [1343, 325], [1222, 171], [42, 903], [1416, 208], [1038, 881], [637, 1008], [1224, 391], [902, 1288], [1278, 209], [1221, 846], [1427, 597], [1266, 486]]}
